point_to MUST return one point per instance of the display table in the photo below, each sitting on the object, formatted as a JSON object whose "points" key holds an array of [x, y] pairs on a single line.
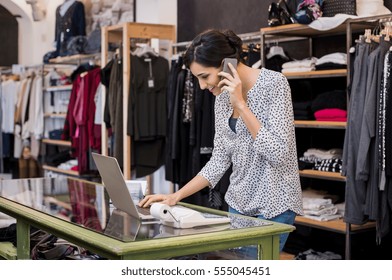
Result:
{"points": [[80, 212]]}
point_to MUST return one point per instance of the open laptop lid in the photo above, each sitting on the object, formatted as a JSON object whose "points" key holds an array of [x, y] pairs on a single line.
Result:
{"points": [[113, 180]]}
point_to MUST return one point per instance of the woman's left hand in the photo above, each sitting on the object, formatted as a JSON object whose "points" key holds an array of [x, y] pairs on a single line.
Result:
{"points": [[233, 85]]}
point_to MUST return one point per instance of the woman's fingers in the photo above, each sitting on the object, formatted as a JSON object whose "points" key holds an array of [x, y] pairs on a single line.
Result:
{"points": [[146, 201]]}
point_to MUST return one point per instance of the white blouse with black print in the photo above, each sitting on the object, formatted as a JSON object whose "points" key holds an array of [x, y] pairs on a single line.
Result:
{"points": [[265, 178]]}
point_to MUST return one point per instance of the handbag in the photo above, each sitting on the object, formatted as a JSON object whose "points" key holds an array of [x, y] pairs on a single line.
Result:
{"points": [[279, 14], [332, 7]]}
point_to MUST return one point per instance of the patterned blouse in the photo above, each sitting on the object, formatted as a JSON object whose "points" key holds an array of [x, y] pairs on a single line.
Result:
{"points": [[265, 178]]}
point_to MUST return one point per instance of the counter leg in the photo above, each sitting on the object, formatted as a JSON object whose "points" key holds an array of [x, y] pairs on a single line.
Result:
{"points": [[269, 248], [23, 240]]}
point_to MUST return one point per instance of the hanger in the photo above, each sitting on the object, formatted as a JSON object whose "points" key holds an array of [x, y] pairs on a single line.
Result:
{"points": [[276, 50], [368, 35], [145, 50], [386, 31]]}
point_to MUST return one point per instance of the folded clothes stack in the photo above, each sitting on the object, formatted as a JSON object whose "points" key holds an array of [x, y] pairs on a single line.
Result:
{"points": [[302, 110], [304, 65], [330, 61], [319, 206], [330, 106], [322, 160]]}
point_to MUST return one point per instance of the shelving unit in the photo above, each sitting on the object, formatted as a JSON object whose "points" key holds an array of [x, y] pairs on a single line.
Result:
{"points": [[296, 31], [52, 118]]}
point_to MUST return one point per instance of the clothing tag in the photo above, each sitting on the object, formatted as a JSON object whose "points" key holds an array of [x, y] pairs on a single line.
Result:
{"points": [[151, 82], [151, 78]]}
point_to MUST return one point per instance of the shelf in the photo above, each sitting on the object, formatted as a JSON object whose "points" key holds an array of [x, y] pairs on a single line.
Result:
{"points": [[315, 174], [72, 59], [303, 30], [57, 142], [59, 88], [139, 30], [316, 74], [58, 170], [300, 30], [338, 226], [320, 124], [55, 115]]}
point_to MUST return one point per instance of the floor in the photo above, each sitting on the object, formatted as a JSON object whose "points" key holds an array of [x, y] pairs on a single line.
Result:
{"points": [[286, 256]]}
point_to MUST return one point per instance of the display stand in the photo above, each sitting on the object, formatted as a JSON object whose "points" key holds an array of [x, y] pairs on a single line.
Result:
{"points": [[123, 33]]}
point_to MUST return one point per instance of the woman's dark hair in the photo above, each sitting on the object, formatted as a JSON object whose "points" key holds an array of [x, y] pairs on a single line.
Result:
{"points": [[212, 46]]}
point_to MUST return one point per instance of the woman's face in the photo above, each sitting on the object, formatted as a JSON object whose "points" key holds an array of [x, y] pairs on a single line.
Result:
{"points": [[207, 76]]}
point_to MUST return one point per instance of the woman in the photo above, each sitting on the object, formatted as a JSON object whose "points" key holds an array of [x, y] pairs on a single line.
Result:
{"points": [[254, 131]]}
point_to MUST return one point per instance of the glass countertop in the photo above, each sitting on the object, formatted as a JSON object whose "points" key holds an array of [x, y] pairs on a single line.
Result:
{"points": [[87, 204]]}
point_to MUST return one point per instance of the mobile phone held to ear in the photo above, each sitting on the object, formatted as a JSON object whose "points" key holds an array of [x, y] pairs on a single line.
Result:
{"points": [[226, 68]]}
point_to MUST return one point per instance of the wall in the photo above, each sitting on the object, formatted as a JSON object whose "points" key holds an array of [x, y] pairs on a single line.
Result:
{"points": [[36, 38], [8, 38], [195, 16], [157, 11]]}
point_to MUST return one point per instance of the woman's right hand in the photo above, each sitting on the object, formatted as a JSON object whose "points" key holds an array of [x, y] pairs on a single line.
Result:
{"points": [[169, 199]]}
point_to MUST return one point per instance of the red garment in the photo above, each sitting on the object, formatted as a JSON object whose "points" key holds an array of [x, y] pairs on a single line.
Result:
{"points": [[82, 198], [331, 114], [79, 126], [70, 126]]}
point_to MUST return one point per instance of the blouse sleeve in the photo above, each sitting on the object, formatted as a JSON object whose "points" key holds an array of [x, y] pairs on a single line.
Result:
{"points": [[275, 139], [219, 162]]}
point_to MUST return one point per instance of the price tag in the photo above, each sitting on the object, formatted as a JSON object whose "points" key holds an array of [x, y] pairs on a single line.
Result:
{"points": [[151, 82]]}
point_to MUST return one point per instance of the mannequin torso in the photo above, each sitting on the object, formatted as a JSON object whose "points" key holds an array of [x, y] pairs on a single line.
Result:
{"points": [[64, 7]]}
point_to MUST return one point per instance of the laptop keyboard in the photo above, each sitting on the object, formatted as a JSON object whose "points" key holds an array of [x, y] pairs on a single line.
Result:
{"points": [[143, 210]]}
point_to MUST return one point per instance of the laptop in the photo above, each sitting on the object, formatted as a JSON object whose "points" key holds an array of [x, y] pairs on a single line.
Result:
{"points": [[114, 182]]}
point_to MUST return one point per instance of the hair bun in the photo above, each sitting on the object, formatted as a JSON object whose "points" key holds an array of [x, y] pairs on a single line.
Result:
{"points": [[233, 39]]}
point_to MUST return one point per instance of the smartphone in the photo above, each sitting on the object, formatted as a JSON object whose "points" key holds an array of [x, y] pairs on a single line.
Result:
{"points": [[226, 68]]}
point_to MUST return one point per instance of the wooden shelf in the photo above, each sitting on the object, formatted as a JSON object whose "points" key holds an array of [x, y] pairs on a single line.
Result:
{"points": [[303, 30], [320, 124], [316, 74], [338, 226], [315, 174], [72, 59], [58, 170], [55, 115], [59, 88], [140, 30], [57, 142]]}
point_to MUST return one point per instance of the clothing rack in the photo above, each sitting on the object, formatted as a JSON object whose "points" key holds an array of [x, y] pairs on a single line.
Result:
{"points": [[127, 33]]}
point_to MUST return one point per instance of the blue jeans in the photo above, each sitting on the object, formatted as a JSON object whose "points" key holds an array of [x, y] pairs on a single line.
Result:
{"points": [[287, 217]]}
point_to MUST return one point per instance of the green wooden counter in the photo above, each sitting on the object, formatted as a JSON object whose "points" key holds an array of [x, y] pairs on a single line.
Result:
{"points": [[265, 237]]}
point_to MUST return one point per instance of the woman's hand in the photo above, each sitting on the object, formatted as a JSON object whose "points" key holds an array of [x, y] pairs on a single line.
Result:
{"points": [[233, 85], [169, 199]]}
